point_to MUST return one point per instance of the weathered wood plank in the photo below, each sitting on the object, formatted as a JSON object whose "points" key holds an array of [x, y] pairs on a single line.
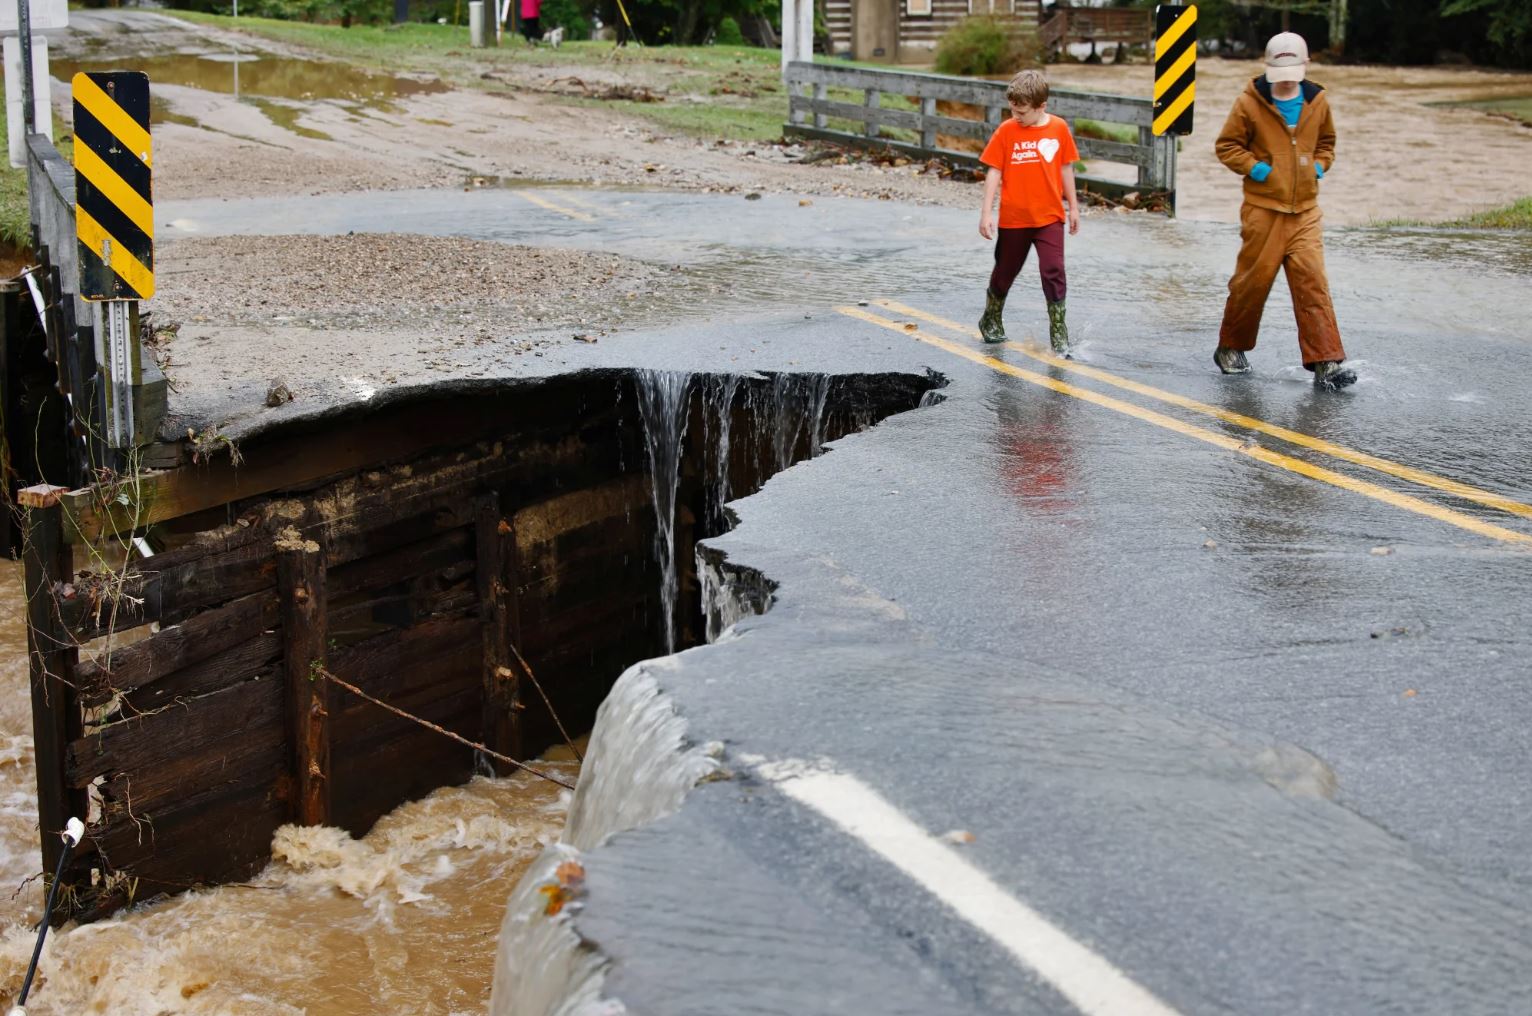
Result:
{"points": [[1064, 102], [249, 754], [206, 843], [301, 591], [398, 662], [164, 738], [179, 646], [416, 762], [240, 663]]}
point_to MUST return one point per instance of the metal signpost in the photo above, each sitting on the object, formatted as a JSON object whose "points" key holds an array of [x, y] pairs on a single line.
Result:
{"points": [[114, 221]]}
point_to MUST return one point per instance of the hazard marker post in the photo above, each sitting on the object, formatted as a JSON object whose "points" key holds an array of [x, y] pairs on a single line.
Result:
{"points": [[114, 223], [1175, 68]]}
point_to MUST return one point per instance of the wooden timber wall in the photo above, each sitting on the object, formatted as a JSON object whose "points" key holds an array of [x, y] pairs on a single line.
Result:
{"points": [[203, 727]]}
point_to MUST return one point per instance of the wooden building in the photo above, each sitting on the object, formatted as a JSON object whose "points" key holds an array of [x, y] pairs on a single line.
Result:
{"points": [[906, 31]]}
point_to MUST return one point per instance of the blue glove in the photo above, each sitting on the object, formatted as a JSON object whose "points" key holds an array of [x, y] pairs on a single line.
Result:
{"points": [[1319, 171], [1259, 172]]}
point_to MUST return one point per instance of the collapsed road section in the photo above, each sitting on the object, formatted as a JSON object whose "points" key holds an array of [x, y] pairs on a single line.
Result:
{"points": [[486, 558]]}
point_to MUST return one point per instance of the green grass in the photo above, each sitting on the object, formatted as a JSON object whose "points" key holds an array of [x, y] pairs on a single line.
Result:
{"points": [[15, 208], [1513, 216], [1106, 131], [709, 91]]}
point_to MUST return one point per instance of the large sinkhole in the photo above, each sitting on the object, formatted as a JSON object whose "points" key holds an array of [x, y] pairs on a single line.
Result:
{"points": [[550, 521]]}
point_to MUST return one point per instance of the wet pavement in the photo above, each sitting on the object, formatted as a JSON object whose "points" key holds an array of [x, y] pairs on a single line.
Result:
{"points": [[1192, 679]]}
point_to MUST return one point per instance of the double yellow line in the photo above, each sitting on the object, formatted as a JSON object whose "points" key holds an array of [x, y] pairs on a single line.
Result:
{"points": [[1247, 448], [551, 206]]}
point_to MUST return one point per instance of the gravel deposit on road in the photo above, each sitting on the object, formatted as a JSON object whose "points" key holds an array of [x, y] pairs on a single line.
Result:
{"points": [[444, 286]]}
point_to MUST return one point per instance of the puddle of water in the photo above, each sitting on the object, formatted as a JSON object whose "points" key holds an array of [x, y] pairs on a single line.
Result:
{"points": [[269, 77], [286, 117]]}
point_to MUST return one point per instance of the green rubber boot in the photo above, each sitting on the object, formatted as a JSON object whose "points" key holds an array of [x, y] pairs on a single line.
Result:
{"points": [[990, 325], [1058, 331]]}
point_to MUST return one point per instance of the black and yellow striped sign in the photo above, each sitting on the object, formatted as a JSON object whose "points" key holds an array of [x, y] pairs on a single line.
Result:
{"points": [[1175, 68], [114, 207]]}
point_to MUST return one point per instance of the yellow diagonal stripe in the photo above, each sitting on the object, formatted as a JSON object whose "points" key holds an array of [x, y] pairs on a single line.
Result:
{"points": [[550, 206], [1224, 441], [122, 261], [1175, 109], [1170, 77], [114, 188], [1178, 28], [113, 117], [1318, 444]]}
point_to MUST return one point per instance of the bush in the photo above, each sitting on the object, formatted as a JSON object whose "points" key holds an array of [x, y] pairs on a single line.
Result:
{"points": [[573, 16], [728, 33], [985, 44]]}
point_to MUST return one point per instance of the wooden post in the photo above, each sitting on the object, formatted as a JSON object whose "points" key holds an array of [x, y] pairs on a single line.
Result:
{"points": [[927, 129], [303, 607], [501, 626], [821, 94], [53, 657], [873, 101]]}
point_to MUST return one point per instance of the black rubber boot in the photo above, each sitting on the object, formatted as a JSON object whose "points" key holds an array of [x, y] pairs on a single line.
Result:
{"points": [[1333, 375], [1058, 331], [1231, 361], [990, 325]]}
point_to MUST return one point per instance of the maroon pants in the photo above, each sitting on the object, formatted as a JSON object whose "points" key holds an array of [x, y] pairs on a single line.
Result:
{"points": [[1011, 251]]}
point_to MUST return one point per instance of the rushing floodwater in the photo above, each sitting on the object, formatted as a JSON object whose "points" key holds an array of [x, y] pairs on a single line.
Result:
{"points": [[402, 921]]}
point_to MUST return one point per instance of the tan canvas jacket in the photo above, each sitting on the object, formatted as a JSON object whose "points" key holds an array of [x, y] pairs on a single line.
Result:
{"points": [[1255, 132]]}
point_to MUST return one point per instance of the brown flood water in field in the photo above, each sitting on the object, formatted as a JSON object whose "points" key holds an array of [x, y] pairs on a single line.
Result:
{"points": [[403, 920]]}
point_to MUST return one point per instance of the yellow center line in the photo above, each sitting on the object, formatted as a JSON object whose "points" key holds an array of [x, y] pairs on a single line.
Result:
{"points": [[1224, 441], [1178, 28], [1403, 472], [550, 206]]}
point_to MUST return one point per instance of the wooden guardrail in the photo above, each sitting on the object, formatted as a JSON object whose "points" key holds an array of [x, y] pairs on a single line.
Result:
{"points": [[811, 107]]}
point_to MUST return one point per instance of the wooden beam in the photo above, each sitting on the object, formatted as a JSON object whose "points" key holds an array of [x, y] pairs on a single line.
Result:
{"points": [[52, 656], [496, 549], [301, 592]]}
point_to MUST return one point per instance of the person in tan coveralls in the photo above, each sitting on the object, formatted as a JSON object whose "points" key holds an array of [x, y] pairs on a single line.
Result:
{"points": [[1280, 137]]}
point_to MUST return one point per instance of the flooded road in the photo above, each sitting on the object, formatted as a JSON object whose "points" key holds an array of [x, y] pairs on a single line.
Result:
{"points": [[403, 920]]}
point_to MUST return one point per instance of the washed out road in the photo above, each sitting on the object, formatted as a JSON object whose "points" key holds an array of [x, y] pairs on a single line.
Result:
{"points": [[1109, 685]]}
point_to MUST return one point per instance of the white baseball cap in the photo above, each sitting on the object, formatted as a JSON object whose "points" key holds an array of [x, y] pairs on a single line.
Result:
{"points": [[1287, 57]]}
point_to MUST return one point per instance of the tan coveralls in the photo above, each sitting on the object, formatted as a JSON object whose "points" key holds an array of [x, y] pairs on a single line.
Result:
{"points": [[1280, 219]]}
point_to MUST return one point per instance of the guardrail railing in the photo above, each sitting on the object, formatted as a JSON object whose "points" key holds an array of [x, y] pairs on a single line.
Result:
{"points": [[811, 107]]}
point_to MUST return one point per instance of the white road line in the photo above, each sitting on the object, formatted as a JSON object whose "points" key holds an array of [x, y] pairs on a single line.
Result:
{"points": [[1086, 979]]}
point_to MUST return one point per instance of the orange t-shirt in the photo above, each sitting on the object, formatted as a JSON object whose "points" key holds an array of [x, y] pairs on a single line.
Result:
{"points": [[1031, 162]]}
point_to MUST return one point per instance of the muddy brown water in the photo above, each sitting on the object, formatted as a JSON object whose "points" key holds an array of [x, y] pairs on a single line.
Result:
{"points": [[262, 74], [404, 919]]}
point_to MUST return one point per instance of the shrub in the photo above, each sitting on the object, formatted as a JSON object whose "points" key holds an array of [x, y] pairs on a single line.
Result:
{"points": [[983, 44], [728, 33]]}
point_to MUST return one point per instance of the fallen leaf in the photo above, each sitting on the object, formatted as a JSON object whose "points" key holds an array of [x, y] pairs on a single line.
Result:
{"points": [[1409, 693], [958, 837]]}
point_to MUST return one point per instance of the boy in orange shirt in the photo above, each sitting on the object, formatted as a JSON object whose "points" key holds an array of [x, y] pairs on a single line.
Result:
{"points": [[1031, 161]]}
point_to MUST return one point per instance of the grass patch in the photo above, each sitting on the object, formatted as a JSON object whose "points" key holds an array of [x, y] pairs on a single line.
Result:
{"points": [[15, 206], [1513, 216], [1103, 131], [709, 91]]}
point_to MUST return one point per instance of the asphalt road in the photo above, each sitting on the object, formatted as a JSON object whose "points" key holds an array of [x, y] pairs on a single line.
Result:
{"points": [[1215, 687]]}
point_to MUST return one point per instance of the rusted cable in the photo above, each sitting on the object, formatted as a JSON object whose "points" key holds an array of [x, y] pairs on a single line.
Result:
{"points": [[527, 669], [353, 689]]}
